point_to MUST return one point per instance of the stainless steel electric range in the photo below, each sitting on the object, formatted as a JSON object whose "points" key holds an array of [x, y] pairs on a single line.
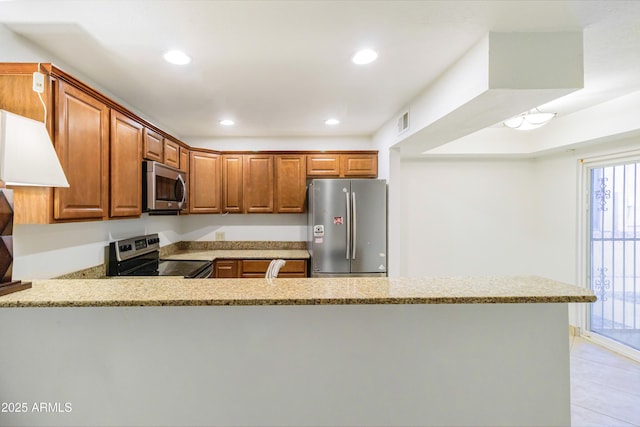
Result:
{"points": [[140, 256]]}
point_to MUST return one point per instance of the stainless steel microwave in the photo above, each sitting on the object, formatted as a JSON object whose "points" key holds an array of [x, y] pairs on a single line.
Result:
{"points": [[164, 189]]}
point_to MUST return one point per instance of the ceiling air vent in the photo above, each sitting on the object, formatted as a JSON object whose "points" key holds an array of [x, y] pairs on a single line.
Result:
{"points": [[403, 122]]}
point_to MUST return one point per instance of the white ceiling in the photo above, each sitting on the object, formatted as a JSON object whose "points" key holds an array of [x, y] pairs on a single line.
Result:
{"points": [[280, 68]]}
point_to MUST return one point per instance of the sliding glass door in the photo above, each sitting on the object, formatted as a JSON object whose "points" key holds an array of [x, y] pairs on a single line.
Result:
{"points": [[614, 252]]}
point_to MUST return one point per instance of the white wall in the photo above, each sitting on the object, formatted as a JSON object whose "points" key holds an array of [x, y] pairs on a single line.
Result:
{"points": [[468, 217], [556, 215], [464, 216], [238, 227], [282, 143]]}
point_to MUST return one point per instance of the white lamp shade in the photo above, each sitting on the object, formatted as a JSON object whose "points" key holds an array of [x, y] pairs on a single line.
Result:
{"points": [[27, 156], [530, 120]]}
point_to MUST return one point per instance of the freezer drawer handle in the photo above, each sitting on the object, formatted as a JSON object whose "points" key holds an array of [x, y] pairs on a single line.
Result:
{"points": [[348, 223]]}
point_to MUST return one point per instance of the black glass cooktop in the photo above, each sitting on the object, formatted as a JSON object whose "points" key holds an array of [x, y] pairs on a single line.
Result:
{"points": [[174, 267]]}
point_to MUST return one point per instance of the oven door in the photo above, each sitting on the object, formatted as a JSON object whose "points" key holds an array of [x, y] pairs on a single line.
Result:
{"points": [[164, 188]]}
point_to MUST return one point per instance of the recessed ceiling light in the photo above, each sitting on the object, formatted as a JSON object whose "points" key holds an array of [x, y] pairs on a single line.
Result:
{"points": [[331, 122], [227, 122], [177, 57], [365, 56]]}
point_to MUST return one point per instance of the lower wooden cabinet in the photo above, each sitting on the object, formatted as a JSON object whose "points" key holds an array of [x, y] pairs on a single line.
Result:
{"points": [[225, 269], [257, 268]]}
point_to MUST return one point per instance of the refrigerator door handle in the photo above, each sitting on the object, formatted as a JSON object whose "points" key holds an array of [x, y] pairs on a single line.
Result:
{"points": [[348, 223], [355, 225]]}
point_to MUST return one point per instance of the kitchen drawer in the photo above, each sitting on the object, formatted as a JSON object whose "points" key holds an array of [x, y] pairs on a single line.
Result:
{"points": [[225, 268], [258, 267]]}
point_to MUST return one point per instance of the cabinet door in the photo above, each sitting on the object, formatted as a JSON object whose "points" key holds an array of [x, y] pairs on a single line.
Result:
{"points": [[323, 165], [232, 183], [294, 268], [171, 156], [204, 183], [126, 166], [359, 165], [184, 159], [153, 145], [82, 144], [291, 183], [257, 180], [254, 268], [226, 268]]}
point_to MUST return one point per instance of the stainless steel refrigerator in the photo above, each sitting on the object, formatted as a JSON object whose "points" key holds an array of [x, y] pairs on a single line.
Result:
{"points": [[347, 227]]}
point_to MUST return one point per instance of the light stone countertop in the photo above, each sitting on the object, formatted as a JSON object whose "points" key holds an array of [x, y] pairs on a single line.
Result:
{"points": [[173, 291], [213, 254]]}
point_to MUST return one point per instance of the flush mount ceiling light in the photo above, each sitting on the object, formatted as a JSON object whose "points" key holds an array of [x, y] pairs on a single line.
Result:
{"points": [[177, 57], [364, 56], [331, 122], [227, 122], [529, 120]]}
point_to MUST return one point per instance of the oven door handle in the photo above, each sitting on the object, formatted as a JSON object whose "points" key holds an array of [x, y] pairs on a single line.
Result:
{"points": [[202, 273]]}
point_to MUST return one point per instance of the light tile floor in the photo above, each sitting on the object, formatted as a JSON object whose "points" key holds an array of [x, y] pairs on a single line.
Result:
{"points": [[605, 387]]}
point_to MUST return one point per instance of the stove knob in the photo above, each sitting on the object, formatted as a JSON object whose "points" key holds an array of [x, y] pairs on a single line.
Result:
{"points": [[122, 248]]}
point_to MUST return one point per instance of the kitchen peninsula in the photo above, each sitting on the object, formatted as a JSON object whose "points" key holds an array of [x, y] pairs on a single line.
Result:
{"points": [[349, 351]]}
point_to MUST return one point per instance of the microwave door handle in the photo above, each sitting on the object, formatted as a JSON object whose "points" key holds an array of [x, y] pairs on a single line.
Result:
{"points": [[181, 182]]}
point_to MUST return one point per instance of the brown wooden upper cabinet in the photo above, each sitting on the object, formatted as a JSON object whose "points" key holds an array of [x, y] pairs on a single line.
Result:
{"points": [[232, 183], [82, 144], [257, 181], [153, 145], [342, 165], [126, 166], [171, 156], [354, 165], [184, 159], [100, 145], [205, 174], [323, 165], [290, 183]]}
